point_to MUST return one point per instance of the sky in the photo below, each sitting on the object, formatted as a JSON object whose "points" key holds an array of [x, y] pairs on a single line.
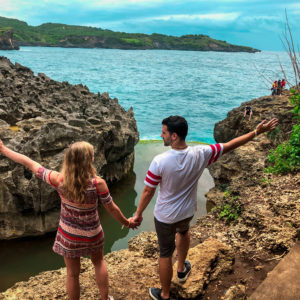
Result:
{"points": [[256, 23]]}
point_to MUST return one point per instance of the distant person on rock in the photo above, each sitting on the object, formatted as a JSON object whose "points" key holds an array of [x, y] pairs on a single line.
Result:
{"points": [[177, 172], [279, 88], [79, 231], [248, 112], [274, 88], [283, 83]]}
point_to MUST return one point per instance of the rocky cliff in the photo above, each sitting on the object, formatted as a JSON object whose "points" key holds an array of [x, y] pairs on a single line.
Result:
{"points": [[229, 259], [6, 40], [247, 163], [40, 117]]}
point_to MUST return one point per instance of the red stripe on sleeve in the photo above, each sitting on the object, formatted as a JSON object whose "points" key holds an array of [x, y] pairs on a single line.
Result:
{"points": [[212, 155], [218, 152], [50, 180], [153, 175], [151, 181]]}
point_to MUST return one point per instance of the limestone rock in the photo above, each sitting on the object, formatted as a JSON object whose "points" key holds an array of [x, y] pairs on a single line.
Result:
{"points": [[266, 107], [208, 260], [40, 118], [146, 244], [236, 292]]}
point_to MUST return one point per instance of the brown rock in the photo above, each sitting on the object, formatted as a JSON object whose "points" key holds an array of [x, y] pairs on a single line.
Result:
{"points": [[208, 260], [236, 292]]}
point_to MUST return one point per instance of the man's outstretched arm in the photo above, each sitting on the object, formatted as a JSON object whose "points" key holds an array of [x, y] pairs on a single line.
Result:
{"points": [[145, 199], [262, 127]]}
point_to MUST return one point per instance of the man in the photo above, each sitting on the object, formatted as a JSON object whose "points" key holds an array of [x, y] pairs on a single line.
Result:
{"points": [[177, 171]]}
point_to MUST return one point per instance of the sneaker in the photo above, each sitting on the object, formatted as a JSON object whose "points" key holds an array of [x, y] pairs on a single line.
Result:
{"points": [[182, 276], [156, 294], [110, 297]]}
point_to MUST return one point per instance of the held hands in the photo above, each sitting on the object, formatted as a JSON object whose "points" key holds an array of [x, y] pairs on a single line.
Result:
{"points": [[133, 223], [264, 127]]}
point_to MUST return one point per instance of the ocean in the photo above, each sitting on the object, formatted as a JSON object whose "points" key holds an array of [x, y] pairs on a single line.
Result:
{"points": [[201, 86]]}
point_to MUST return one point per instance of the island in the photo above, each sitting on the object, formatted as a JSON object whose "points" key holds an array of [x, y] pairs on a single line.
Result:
{"points": [[72, 36]]}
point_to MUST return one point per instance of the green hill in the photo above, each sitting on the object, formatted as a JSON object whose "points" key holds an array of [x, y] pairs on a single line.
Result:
{"points": [[62, 35]]}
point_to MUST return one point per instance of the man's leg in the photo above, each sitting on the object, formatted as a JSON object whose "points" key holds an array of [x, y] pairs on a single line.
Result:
{"points": [[165, 275], [182, 246], [166, 240]]}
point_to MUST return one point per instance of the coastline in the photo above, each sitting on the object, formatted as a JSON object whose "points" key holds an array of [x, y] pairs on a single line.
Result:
{"points": [[230, 255]]}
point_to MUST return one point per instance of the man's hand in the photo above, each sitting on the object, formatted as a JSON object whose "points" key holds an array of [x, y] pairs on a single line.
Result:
{"points": [[264, 127], [138, 219], [134, 223]]}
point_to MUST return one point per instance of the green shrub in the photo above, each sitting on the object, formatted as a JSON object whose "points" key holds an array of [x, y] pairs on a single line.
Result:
{"points": [[229, 210], [286, 157], [295, 100]]}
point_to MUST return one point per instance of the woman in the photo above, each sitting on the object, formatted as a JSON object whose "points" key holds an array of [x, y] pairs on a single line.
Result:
{"points": [[79, 232]]}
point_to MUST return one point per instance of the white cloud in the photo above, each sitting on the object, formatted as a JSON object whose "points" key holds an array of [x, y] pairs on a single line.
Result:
{"points": [[115, 3], [197, 17], [7, 5]]}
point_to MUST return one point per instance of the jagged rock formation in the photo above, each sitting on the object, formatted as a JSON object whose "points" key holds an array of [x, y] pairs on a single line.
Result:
{"points": [[240, 168], [40, 118], [6, 40]]}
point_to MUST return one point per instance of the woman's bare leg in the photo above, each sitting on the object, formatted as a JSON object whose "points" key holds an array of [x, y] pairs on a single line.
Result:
{"points": [[101, 273], [72, 281]]}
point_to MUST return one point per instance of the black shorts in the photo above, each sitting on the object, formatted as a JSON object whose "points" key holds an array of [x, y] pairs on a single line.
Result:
{"points": [[166, 235]]}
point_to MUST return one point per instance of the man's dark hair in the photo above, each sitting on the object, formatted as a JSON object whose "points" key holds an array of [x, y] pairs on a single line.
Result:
{"points": [[176, 124]]}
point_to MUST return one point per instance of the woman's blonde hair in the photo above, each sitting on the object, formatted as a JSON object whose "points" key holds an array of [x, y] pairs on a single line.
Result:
{"points": [[77, 171]]}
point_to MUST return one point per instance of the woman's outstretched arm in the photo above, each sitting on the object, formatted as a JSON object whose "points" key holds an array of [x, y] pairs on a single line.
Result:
{"points": [[19, 158]]}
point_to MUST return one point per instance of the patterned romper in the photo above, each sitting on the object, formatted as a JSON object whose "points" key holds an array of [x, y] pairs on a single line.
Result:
{"points": [[79, 231]]}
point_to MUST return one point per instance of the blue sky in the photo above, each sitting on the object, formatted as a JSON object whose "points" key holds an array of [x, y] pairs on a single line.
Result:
{"points": [[254, 23]]}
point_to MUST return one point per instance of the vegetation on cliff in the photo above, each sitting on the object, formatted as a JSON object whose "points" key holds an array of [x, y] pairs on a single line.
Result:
{"points": [[286, 157], [62, 35]]}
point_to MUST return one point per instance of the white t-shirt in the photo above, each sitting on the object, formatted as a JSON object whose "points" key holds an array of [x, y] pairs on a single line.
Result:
{"points": [[178, 173]]}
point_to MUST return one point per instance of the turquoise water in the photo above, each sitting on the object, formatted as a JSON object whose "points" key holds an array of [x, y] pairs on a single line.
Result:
{"points": [[201, 86]]}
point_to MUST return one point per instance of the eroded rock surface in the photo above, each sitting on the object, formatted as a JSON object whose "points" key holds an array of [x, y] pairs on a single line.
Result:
{"points": [[209, 259], [40, 118]]}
